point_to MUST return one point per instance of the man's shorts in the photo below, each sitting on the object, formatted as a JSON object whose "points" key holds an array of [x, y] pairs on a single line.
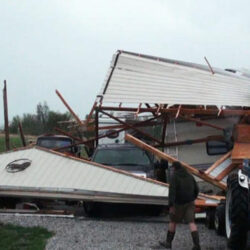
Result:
{"points": [[183, 213]]}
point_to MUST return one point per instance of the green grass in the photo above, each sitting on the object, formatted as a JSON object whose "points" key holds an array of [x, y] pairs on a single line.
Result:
{"points": [[15, 142], [22, 238]]}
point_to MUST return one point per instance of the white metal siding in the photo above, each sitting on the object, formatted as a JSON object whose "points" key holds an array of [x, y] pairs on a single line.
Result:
{"points": [[137, 79], [52, 171]]}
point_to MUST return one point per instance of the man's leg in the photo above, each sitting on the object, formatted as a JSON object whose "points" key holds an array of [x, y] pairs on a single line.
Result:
{"points": [[172, 227], [170, 235], [195, 236]]}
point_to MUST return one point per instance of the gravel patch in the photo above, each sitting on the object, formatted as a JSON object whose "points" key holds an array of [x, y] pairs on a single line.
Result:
{"points": [[115, 234]]}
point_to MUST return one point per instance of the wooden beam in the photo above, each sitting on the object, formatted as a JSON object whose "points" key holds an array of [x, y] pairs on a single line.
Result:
{"points": [[6, 120], [171, 159], [218, 162], [240, 152], [69, 108], [21, 134], [242, 133]]}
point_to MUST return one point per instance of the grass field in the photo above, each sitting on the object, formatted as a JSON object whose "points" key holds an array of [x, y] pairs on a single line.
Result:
{"points": [[15, 142], [21, 238]]}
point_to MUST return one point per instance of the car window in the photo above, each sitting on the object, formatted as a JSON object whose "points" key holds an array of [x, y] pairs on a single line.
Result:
{"points": [[48, 143]]}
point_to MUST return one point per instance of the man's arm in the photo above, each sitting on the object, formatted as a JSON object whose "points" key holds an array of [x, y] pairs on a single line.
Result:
{"points": [[196, 189], [172, 191]]}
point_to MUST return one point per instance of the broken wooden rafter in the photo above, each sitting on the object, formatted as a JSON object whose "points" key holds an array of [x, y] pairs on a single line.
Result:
{"points": [[21, 134], [69, 108], [171, 159]]}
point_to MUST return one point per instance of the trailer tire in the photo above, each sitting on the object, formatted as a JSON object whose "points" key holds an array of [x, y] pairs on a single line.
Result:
{"points": [[210, 213], [236, 213], [219, 219]]}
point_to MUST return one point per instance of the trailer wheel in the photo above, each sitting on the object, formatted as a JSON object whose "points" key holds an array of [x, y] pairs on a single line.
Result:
{"points": [[219, 219], [210, 213], [236, 213]]}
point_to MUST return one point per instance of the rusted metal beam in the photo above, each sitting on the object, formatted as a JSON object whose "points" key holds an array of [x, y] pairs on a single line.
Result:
{"points": [[171, 159], [194, 141], [69, 108], [183, 111], [148, 106], [164, 128], [138, 110], [90, 114], [21, 134], [209, 65], [132, 127], [123, 126], [201, 122], [96, 127], [108, 134], [6, 120], [68, 134]]}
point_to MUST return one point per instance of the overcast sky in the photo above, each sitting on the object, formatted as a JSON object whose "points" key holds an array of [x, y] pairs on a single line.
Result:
{"points": [[68, 44]]}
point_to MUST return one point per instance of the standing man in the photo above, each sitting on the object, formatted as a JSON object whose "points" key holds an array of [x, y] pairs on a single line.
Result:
{"points": [[183, 191]]}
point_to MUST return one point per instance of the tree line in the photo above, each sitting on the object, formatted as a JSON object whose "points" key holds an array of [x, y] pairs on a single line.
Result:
{"points": [[44, 121]]}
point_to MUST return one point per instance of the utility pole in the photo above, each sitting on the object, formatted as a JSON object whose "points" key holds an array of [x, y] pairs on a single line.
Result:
{"points": [[6, 120]]}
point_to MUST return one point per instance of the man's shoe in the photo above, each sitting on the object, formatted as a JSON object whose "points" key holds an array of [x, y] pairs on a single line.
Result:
{"points": [[196, 240], [168, 242]]}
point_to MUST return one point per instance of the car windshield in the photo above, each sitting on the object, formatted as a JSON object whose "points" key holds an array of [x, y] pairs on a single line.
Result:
{"points": [[53, 143], [122, 157]]}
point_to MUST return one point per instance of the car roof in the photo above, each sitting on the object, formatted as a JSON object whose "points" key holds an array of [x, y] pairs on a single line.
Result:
{"points": [[47, 136]]}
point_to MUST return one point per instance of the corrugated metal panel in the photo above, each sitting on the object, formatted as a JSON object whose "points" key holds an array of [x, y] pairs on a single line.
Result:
{"points": [[143, 79], [51, 171]]}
